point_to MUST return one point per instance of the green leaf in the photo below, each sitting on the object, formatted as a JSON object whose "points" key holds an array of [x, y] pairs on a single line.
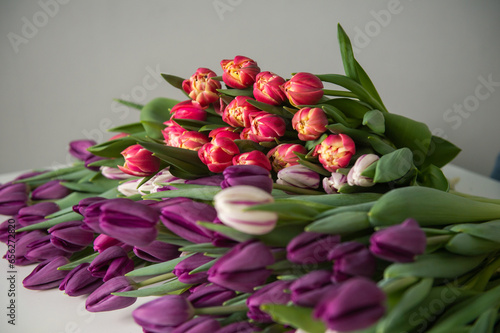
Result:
{"points": [[487, 230], [282, 234], [365, 81], [405, 132], [441, 152], [204, 248], [175, 81], [351, 108], [380, 145], [71, 216], [338, 200], [160, 290], [433, 177], [72, 199], [55, 174], [154, 114], [359, 136], [469, 245], [132, 128], [375, 120], [295, 316], [210, 127], [129, 104], [347, 54], [271, 109], [435, 265], [157, 269], [486, 321], [112, 148], [335, 114], [393, 166], [341, 223], [75, 263], [197, 192], [108, 162], [226, 231], [236, 92]]}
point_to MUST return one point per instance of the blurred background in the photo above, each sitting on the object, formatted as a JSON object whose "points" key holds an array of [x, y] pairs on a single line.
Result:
{"points": [[63, 61]]}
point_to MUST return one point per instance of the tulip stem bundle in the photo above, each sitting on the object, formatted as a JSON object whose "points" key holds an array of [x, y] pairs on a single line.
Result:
{"points": [[268, 205]]}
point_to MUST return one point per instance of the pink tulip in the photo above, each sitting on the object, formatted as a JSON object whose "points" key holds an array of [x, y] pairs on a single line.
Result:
{"points": [[266, 127], [228, 132], [253, 157], [237, 113], [310, 123], [192, 140], [201, 87], [335, 151], [218, 154], [267, 88], [139, 161], [282, 156], [189, 110], [303, 89], [239, 72], [172, 133]]}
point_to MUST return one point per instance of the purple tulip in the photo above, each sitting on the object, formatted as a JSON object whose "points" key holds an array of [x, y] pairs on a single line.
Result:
{"points": [[80, 281], [253, 175], [239, 327], [214, 180], [90, 209], [82, 206], [221, 240], [243, 267], [181, 219], [311, 247], [45, 275], [353, 305], [36, 213], [308, 289], [399, 243], [351, 259], [163, 313], [110, 263], [6, 230], [157, 251], [128, 221], [332, 184], [22, 246], [51, 190], [78, 148], [12, 198], [29, 174], [42, 249], [91, 159], [298, 176], [70, 236], [183, 269], [201, 324], [102, 242], [275, 293], [101, 299], [209, 294]]}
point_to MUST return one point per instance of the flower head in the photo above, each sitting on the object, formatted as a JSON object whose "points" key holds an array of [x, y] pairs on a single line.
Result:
{"points": [[218, 154], [188, 110], [335, 151], [267, 88], [266, 127], [355, 177], [237, 112], [239, 72], [283, 155], [254, 157], [310, 123], [163, 313], [303, 89], [139, 161], [201, 87]]}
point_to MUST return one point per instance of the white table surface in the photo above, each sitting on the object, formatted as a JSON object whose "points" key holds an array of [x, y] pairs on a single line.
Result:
{"points": [[52, 311]]}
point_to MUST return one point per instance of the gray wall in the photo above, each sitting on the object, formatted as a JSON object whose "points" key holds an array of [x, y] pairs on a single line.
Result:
{"points": [[63, 62]]}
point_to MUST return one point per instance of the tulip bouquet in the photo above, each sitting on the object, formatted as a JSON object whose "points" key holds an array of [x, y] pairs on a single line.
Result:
{"points": [[270, 205]]}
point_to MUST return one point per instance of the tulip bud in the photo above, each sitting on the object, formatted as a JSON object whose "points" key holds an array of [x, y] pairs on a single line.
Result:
{"points": [[351, 259], [240, 72], [91, 159], [185, 267], [247, 175], [193, 140], [42, 249], [139, 161], [202, 324], [209, 294], [232, 204], [45, 275], [274, 293], [102, 242], [332, 184], [6, 230], [201, 87], [23, 246], [311, 247], [51, 190], [354, 178], [237, 113], [110, 263], [308, 289], [101, 299], [12, 198], [266, 127], [157, 251], [239, 327], [36, 213], [114, 173], [335, 151], [172, 133], [188, 110], [243, 267], [399, 243], [78, 148], [354, 305], [163, 313], [254, 157], [218, 154], [83, 204], [298, 176], [182, 218], [282, 156], [310, 123], [228, 132], [70, 236], [267, 88], [79, 281], [303, 89]]}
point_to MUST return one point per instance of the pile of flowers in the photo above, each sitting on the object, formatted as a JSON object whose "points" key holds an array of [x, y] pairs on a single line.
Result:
{"points": [[267, 205]]}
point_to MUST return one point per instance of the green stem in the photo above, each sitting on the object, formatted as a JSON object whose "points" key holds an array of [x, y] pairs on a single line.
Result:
{"points": [[482, 278], [436, 240], [155, 279], [294, 189], [221, 310], [398, 284], [476, 198], [340, 93]]}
